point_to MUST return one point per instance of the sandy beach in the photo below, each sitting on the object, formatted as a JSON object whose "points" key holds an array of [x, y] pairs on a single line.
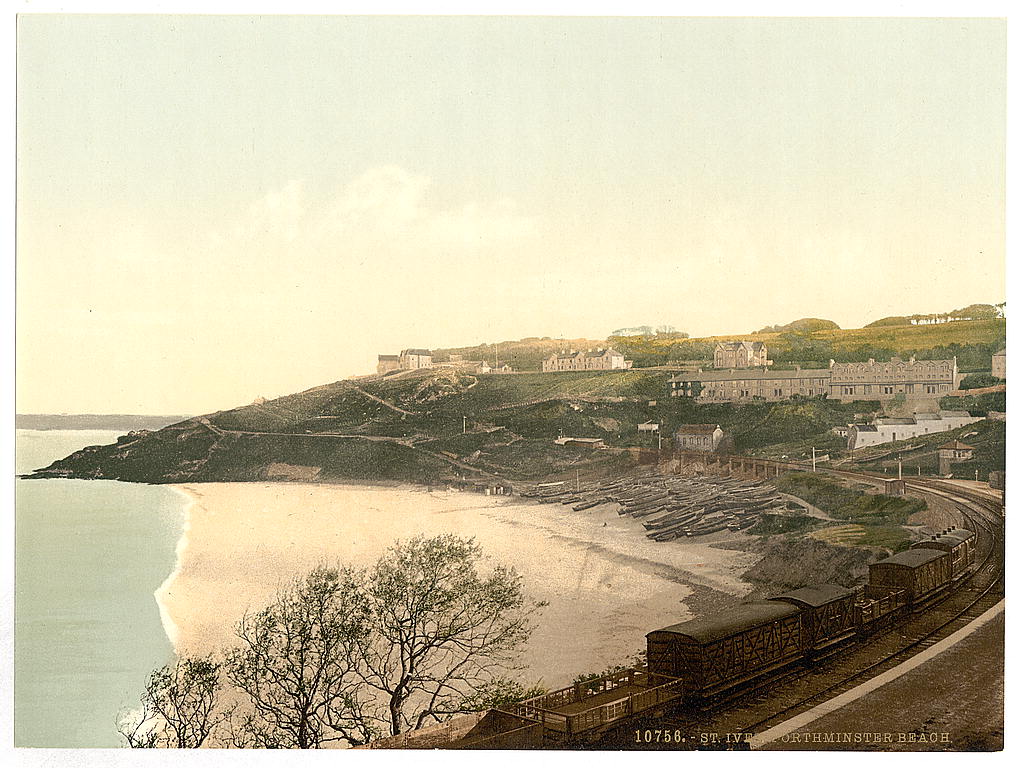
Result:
{"points": [[607, 584]]}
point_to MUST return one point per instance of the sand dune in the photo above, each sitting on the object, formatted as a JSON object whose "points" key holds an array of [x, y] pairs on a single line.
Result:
{"points": [[606, 583]]}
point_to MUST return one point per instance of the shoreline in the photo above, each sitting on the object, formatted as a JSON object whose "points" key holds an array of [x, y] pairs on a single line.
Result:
{"points": [[607, 585], [171, 629]]}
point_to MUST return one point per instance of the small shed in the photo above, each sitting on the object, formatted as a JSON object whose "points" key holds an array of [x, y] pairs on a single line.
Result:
{"points": [[895, 487], [582, 442]]}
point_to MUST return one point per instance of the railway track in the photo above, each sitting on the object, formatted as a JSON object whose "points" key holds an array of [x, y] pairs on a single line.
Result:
{"points": [[779, 698]]}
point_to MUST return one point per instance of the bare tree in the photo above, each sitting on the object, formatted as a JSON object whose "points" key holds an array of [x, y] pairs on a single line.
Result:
{"points": [[441, 632], [297, 662], [179, 706]]}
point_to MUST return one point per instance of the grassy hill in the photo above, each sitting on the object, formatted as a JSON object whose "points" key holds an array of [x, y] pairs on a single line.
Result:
{"points": [[972, 341], [441, 425]]}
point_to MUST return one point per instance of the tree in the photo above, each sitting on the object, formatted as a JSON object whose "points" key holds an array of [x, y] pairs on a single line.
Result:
{"points": [[297, 665], [442, 633], [178, 706]]}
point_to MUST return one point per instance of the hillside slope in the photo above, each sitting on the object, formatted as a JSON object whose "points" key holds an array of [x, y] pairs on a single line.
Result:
{"points": [[440, 425]]}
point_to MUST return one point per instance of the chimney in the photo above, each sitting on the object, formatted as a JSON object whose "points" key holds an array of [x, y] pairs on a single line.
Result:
{"points": [[831, 363]]}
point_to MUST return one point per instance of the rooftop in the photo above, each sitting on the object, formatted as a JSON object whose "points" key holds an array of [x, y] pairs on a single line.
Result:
{"points": [[741, 617], [815, 595], [911, 558], [753, 374], [697, 429], [956, 445]]}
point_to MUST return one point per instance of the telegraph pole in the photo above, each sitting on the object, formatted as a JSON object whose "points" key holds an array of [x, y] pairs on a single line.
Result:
{"points": [[463, 425], [814, 459], [899, 458]]}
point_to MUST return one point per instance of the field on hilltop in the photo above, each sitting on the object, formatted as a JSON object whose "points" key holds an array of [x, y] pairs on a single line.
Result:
{"points": [[972, 341]]}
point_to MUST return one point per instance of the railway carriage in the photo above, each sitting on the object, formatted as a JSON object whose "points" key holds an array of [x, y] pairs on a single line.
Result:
{"points": [[959, 543], [922, 573], [715, 654], [828, 615]]}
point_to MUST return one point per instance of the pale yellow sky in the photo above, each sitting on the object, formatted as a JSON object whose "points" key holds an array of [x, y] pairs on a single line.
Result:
{"points": [[216, 208]]}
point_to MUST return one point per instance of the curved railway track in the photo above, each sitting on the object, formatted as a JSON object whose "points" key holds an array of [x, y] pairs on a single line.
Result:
{"points": [[754, 710]]}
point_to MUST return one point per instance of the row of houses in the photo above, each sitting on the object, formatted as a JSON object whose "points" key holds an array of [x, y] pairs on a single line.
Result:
{"points": [[589, 360], [873, 380], [891, 429], [414, 359]]}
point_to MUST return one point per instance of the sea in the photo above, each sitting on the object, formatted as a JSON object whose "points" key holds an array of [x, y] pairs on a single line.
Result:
{"points": [[90, 554]]}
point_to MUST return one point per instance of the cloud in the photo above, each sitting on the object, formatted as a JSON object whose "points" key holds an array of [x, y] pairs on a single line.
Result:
{"points": [[386, 207]]}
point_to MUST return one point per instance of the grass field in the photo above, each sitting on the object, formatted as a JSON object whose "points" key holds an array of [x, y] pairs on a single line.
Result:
{"points": [[844, 345]]}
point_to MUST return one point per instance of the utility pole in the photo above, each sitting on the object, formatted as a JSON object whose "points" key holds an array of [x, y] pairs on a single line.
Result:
{"points": [[899, 458], [495, 355], [577, 481], [463, 425], [814, 459]]}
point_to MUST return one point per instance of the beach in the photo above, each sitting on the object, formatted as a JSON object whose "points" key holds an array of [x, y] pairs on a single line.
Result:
{"points": [[607, 585]]}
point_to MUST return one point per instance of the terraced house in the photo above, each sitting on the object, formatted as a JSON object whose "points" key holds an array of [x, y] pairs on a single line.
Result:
{"points": [[914, 379], [590, 360], [747, 385], [876, 380]]}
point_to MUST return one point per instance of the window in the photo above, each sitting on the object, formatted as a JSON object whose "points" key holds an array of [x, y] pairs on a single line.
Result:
{"points": [[886, 390]]}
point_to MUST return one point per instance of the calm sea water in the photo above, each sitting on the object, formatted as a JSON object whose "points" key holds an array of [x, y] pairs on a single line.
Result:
{"points": [[90, 554]]}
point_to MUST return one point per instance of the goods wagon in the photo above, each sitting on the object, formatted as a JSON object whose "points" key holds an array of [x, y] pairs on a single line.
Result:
{"points": [[712, 655], [922, 573], [959, 542], [828, 615]]}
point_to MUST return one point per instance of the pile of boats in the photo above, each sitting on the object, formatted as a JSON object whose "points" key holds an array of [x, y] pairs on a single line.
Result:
{"points": [[673, 507]]}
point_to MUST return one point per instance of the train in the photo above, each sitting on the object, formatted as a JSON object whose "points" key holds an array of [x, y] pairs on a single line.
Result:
{"points": [[718, 655]]}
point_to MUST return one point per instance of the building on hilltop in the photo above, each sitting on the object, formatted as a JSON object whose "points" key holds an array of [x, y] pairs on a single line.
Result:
{"points": [[387, 363], [411, 359], [590, 360], [748, 385], [741, 354], [406, 360], [999, 364], [874, 380], [889, 429], [699, 437]]}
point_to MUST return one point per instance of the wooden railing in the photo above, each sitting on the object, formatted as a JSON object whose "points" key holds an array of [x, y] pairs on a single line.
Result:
{"points": [[656, 689]]}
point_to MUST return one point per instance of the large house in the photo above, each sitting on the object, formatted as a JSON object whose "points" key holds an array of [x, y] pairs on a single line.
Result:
{"points": [[411, 359], [741, 354], [699, 437], [888, 430], [915, 379], [876, 380], [407, 360], [740, 386], [590, 360]]}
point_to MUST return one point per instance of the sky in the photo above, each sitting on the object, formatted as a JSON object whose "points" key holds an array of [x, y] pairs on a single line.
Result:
{"points": [[212, 209]]}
